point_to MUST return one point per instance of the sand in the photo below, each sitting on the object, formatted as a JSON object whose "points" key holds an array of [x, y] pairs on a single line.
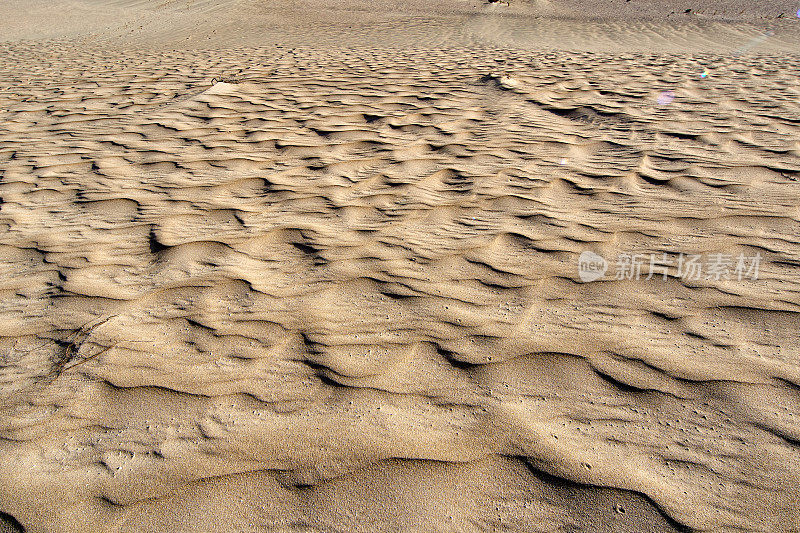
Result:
{"points": [[316, 266]]}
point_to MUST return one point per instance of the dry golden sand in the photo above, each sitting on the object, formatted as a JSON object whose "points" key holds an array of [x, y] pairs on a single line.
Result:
{"points": [[264, 272]]}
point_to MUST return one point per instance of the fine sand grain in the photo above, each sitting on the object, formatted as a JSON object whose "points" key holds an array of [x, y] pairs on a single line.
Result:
{"points": [[314, 267]]}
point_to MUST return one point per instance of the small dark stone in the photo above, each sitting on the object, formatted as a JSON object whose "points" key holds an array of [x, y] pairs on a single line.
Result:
{"points": [[9, 524]]}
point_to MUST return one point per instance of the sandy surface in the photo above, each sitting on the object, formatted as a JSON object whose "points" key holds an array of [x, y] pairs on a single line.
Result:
{"points": [[315, 267]]}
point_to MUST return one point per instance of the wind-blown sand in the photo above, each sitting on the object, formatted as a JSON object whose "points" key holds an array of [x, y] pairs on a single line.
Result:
{"points": [[314, 267]]}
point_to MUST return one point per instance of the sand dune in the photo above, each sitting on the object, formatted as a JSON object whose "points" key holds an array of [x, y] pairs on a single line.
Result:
{"points": [[306, 283]]}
